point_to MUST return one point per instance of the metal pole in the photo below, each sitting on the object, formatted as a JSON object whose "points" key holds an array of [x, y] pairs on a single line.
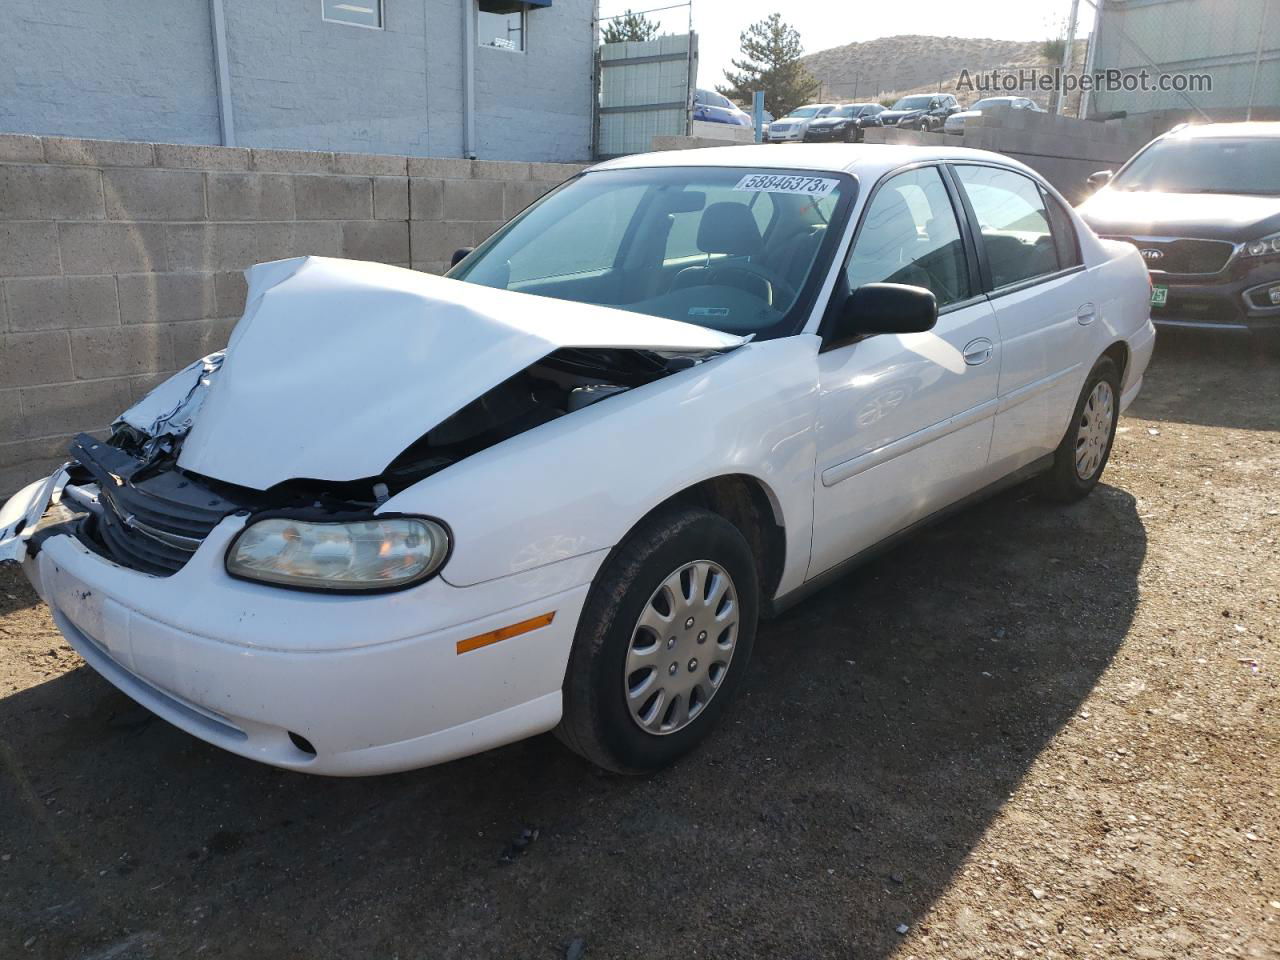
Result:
{"points": [[1257, 59], [468, 80], [222, 69], [757, 114], [1067, 49]]}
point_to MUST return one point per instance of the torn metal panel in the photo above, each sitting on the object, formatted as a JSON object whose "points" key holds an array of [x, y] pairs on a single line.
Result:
{"points": [[339, 366], [156, 422], [21, 514]]}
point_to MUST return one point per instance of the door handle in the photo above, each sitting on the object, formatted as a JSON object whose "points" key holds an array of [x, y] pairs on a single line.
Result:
{"points": [[1086, 314], [978, 351]]}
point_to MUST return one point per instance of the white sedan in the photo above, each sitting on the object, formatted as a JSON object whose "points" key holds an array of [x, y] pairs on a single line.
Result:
{"points": [[955, 123], [407, 518]]}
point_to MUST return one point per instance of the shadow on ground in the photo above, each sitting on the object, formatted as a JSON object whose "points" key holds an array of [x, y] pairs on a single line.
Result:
{"points": [[1212, 379], [884, 723]]}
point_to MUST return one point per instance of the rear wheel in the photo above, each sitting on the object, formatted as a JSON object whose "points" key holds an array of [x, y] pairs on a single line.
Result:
{"points": [[663, 642], [1082, 456]]}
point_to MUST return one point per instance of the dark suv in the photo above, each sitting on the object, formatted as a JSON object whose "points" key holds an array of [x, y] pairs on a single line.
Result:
{"points": [[921, 111], [1202, 205], [844, 123]]}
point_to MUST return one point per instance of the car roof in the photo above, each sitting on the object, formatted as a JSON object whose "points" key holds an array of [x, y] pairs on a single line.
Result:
{"points": [[1254, 128], [865, 159]]}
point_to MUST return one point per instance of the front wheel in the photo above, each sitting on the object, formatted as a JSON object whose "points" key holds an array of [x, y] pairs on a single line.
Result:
{"points": [[1083, 453], [663, 642]]}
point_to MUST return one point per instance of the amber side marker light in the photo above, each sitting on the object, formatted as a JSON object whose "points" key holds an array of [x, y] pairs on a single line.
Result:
{"points": [[504, 633]]}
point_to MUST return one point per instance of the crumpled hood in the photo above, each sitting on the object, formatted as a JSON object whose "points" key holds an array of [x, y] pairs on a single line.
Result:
{"points": [[338, 365]]}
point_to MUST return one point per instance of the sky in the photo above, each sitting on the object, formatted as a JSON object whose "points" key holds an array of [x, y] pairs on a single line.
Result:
{"points": [[823, 25]]}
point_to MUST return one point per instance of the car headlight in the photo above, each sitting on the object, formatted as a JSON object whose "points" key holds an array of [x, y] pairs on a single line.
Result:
{"points": [[1267, 246], [355, 556]]}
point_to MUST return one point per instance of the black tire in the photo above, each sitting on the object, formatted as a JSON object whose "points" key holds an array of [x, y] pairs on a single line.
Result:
{"points": [[1062, 482], [597, 723]]}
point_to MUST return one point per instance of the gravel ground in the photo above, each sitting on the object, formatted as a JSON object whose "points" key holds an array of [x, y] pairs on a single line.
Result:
{"points": [[1032, 731]]}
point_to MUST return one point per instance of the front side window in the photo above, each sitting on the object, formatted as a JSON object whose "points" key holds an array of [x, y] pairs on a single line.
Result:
{"points": [[910, 234], [736, 249], [500, 24], [1015, 225]]}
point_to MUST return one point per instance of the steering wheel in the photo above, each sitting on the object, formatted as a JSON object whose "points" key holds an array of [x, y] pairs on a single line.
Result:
{"points": [[772, 281]]}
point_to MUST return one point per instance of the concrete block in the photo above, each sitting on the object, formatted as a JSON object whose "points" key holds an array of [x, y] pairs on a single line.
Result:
{"points": [[154, 194], [439, 269], [120, 351], [99, 153], [370, 164], [386, 241], [10, 416], [391, 198], [472, 200], [27, 359], [516, 196], [250, 196], [291, 161], [189, 156], [49, 193], [94, 248], [217, 247], [20, 148], [25, 461], [426, 199], [483, 231], [143, 384], [333, 198], [163, 297], [555, 172], [499, 170], [197, 339], [28, 248], [282, 240], [435, 242], [441, 168], [63, 408], [52, 303], [230, 289]]}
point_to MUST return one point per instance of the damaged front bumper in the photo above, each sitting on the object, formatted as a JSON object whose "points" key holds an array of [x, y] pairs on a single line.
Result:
{"points": [[337, 685]]}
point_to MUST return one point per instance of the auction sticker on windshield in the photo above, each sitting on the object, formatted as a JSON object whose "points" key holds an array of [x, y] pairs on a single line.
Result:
{"points": [[787, 183]]}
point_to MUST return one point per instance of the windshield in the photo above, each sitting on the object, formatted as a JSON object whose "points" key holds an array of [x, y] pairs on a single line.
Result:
{"points": [[735, 249], [1244, 165], [846, 112], [801, 112], [912, 103], [990, 102]]}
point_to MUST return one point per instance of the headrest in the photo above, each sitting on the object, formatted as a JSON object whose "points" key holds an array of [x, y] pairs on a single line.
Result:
{"points": [[729, 228]]}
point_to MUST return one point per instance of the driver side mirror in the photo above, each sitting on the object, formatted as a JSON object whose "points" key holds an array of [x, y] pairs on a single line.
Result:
{"points": [[1100, 179], [459, 255], [884, 308]]}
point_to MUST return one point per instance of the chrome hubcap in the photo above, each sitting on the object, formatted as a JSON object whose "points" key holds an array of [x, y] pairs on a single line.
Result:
{"points": [[1094, 431], [681, 647]]}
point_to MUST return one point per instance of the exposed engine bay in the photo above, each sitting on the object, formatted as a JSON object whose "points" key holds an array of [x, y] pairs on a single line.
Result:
{"points": [[131, 501]]}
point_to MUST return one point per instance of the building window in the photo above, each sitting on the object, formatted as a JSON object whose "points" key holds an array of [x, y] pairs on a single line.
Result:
{"points": [[500, 24], [357, 13]]}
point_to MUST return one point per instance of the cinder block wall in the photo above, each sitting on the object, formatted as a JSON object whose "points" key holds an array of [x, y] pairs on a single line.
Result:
{"points": [[1063, 150], [120, 262]]}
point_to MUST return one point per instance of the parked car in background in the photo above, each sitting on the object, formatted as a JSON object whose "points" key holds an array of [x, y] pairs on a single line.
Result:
{"points": [[793, 126], [1202, 205], [711, 393], [711, 107], [956, 121], [921, 111], [843, 123]]}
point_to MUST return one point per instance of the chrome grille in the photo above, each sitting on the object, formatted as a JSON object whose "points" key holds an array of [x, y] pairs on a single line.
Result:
{"points": [[1182, 255]]}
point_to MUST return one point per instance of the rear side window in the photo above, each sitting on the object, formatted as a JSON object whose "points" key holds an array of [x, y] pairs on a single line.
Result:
{"points": [[1014, 222], [1064, 233]]}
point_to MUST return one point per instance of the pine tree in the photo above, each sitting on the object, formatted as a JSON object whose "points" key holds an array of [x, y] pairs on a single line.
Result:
{"points": [[630, 26], [771, 52]]}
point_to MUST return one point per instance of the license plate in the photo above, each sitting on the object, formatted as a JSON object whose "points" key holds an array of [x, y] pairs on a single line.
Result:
{"points": [[1159, 296]]}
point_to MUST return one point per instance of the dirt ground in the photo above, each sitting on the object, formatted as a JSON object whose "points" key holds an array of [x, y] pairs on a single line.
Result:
{"points": [[1033, 731]]}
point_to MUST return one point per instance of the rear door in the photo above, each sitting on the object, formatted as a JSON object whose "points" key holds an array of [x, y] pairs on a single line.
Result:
{"points": [[905, 420], [1031, 266]]}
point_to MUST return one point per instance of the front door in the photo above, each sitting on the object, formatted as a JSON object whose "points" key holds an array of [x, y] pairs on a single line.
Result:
{"points": [[905, 421]]}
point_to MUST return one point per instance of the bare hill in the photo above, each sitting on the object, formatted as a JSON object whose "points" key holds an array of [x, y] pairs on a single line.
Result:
{"points": [[889, 65]]}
